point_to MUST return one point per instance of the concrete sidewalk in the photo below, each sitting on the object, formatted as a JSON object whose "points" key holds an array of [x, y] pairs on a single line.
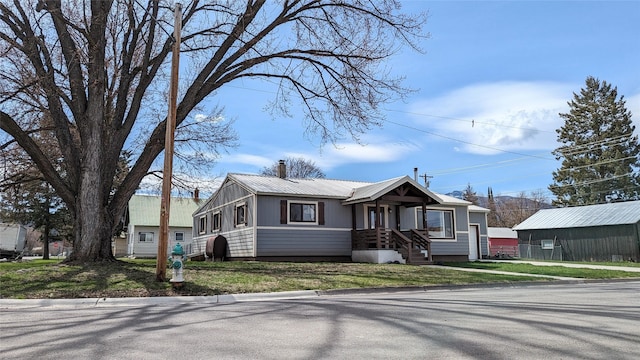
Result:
{"points": [[569, 265], [498, 272]]}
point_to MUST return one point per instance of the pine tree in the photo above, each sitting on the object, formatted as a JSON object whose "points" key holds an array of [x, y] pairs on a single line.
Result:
{"points": [[492, 217], [470, 195], [600, 155]]}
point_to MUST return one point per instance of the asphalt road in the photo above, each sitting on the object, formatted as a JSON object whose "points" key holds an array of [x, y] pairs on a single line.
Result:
{"points": [[560, 321]]}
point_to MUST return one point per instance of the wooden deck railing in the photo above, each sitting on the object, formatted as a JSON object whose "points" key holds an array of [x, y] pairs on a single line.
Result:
{"points": [[403, 242]]}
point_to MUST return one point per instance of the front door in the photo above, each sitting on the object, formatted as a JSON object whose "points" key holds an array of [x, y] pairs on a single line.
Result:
{"points": [[474, 231], [371, 211]]}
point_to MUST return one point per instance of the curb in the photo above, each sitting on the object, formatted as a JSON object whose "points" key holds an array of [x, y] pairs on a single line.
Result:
{"points": [[11, 304]]}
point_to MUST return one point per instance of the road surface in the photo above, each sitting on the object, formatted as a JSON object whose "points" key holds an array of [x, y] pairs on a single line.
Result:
{"points": [[555, 321]]}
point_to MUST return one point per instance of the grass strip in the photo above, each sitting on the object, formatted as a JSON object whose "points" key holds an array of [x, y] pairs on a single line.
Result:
{"points": [[132, 278]]}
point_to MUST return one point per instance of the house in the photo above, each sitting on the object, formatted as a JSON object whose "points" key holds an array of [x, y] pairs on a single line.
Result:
{"points": [[278, 218], [143, 225], [605, 232], [503, 242]]}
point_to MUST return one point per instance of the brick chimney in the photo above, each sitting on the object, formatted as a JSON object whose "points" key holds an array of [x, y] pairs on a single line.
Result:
{"points": [[196, 194], [282, 169]]}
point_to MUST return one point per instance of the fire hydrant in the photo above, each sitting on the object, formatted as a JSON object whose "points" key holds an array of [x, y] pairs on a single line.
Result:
{"points": [[176, 262]]}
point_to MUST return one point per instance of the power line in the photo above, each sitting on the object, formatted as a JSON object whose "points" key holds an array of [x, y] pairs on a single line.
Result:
{"points": [[467, 142], [472, 121]]}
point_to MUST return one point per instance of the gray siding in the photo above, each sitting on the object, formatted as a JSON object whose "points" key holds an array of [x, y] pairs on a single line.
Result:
{"points": [[481, 218], [335, 214], [239, 238], [447, 247], [303, 242], [276, 239]]}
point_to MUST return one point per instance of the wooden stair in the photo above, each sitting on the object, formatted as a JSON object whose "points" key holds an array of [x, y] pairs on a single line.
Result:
{"points": [[411, 249]]}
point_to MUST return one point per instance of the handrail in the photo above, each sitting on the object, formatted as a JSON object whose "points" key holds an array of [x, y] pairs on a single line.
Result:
{"points": [[422, 240]]}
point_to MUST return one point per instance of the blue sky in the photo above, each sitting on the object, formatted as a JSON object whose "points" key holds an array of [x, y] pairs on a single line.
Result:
{"points": [[492, 80]]}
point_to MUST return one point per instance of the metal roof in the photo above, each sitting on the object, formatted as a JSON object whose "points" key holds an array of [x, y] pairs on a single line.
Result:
{"points": [[620, 213], [349, 191], [273, 185], [502, 233], [144, 210]]}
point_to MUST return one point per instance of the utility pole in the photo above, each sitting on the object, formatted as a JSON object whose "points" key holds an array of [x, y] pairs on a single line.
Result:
{"points": [[426, 179], [161, 262]]}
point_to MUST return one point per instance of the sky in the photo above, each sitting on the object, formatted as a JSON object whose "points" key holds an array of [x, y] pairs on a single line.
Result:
{"points": [[490, 84]]}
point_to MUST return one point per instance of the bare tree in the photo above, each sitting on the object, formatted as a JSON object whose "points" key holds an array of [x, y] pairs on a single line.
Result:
{"points": [[297, 168], [514, 210], [98, 70]]}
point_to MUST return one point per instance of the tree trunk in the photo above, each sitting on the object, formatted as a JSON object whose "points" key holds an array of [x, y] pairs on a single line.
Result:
{"points": [[93, 222]]}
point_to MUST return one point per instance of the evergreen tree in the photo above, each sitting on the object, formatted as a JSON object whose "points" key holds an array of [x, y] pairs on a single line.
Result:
{"points": [[600, 155], [470, 195], [492, 217]]}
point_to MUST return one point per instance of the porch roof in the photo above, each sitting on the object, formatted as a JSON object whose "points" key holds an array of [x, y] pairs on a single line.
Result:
{"points": [[378, 190]]}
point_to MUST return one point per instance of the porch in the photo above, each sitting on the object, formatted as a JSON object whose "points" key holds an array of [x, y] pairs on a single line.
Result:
{"points": [[413, 245]]}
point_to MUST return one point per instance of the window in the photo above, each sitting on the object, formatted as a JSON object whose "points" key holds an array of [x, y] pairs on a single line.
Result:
{"points": [[179, 236], [302, 212], [202, 227], [439, 223], [145, 237], [546, 244], [217, 221], [240, 218]]}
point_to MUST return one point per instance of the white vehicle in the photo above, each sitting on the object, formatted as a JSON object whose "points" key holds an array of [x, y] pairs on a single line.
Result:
{"points": [[12, 240]]}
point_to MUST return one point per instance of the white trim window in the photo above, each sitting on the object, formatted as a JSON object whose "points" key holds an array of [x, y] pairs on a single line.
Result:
{"points": [[145, 237], [202, 224], [440, 223], [304, 212], [546, 244], [178, 236], [216, 222], [240, 215]]}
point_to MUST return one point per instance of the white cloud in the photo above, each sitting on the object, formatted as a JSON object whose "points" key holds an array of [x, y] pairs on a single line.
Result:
{"points": [[633, 105], [512, 116], [248, 159], [374, 151]]}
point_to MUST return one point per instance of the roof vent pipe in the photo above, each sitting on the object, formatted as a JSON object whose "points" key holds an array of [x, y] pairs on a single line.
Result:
{"points": [[282, 169], [415, 174]]}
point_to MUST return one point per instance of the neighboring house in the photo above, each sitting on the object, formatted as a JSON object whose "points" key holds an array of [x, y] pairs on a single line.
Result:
{"points": [[276, 218], [503, 242], [143, 227], [606, 232]]}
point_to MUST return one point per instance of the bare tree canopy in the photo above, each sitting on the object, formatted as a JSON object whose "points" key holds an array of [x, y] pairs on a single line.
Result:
{"points": [[296, 168], [98, 70]]}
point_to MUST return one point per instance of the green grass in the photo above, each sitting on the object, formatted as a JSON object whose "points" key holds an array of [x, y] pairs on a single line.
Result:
{"points": [[51, 279], [127, 278], [581, 273]]}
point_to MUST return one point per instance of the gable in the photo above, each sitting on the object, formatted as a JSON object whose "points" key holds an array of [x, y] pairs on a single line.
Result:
{"points": [[144, 210]]}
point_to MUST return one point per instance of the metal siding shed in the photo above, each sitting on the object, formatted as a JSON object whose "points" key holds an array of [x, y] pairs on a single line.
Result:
{"points": [[620, 213]]}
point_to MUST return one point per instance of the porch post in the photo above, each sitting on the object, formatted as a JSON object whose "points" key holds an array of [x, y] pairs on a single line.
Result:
{"points": [[424, 216], [377, 225]]}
